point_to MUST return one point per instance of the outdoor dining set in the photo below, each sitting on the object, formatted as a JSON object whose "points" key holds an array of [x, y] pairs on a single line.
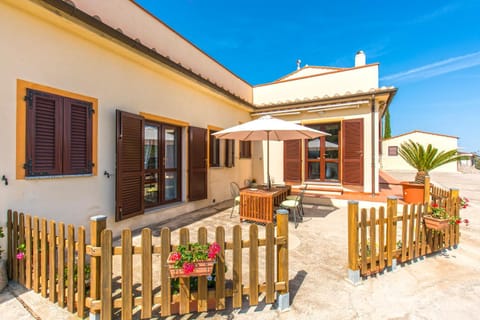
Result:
{"points": [[259, 204]]}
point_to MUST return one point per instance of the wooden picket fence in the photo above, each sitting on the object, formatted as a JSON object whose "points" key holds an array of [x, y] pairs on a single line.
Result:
{"points": [[85, 277], [435, 193], [377, 237]]}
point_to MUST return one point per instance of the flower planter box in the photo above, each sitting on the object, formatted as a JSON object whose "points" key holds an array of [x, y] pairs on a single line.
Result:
{"points": [[202, 268], [435, 223]]}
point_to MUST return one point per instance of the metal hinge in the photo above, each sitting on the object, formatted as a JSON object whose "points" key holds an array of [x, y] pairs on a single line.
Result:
{"points": [[90, 110], [28, 166], [29, 99]]}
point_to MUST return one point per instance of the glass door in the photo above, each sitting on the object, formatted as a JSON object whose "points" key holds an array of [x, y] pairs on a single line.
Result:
{"points": [[323, 154], [162, 169], [151, 166], [170, 138]]}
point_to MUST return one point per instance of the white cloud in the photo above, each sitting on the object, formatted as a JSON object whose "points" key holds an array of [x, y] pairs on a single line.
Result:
{"points": [[435, 14], [437, 68]]}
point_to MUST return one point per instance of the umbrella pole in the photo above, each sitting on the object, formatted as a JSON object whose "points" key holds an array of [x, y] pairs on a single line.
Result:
{"points": [[268, 161]]}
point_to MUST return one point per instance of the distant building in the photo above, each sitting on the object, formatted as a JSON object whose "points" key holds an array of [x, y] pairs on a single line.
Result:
{"points": [[391, 160], [468, 161]]}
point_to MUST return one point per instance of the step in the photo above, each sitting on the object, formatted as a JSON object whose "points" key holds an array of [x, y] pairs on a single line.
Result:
{"points": [[319, 189]]}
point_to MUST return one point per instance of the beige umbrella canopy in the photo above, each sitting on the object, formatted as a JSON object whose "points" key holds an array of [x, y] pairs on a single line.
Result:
{"points": [[269, 128]]}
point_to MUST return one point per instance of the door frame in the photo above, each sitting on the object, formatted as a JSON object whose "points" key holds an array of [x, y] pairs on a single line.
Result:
{"points": [[324, 160], [161, 170]]}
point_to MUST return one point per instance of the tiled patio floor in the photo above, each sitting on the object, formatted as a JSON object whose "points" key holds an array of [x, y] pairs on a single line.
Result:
{"points": [[389, 186]]}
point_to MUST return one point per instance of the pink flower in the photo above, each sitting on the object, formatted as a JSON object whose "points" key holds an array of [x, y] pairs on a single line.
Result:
{"points": [[466, 221], [175, 256], [20, 256], [188, 267], [213, 250]]}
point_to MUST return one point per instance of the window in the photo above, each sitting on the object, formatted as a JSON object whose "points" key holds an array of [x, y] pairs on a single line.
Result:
{"points": [[222, 152], [58, 135], [393, 151], [230, 153], [214, 150], [149, 163], [246, 149], [162, 178]]}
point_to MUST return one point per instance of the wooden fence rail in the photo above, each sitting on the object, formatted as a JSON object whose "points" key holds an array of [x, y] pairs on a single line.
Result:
{"points": [[104, 278], [380, 238], [435, 193]]}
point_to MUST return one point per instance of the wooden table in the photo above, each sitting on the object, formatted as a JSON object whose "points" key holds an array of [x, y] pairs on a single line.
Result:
{"points": [[258, 204]]}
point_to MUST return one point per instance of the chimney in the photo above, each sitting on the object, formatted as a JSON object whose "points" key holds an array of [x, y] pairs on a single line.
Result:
{"points": [[360, 59]]}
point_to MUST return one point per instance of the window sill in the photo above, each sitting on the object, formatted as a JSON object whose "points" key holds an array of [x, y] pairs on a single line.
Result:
{"points": [[59, 176], [222, 167]]}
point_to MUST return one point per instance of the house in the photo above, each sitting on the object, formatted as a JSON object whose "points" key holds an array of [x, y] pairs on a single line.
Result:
{"points": [[107, 110], [391, 160]]}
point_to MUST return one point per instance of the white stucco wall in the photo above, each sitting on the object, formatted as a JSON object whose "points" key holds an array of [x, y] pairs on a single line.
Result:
{"points": [[441, 142], [360, 79], [54, 52], [309, 71]]}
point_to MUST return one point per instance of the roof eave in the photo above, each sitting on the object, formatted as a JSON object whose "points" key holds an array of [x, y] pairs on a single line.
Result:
{"points": [[71, 12]]}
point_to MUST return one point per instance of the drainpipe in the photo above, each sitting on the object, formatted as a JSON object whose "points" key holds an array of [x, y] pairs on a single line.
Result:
{"points": [[373, 143]]}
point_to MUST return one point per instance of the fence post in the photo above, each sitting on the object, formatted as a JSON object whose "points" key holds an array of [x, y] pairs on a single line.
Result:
{"points": [[283, 297], [97, 225], [455, 210], [353, 267], [392, 231], [426, 192]]}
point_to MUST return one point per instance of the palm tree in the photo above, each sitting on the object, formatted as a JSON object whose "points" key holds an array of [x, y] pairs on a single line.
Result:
{"points": [[425, 159]]}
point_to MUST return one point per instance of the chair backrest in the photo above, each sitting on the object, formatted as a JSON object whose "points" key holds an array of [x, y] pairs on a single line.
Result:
{"points": [[301, 194], [234, 189]]}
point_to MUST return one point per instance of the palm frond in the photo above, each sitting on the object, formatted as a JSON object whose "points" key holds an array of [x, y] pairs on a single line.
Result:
{"points": [[425, 159]]}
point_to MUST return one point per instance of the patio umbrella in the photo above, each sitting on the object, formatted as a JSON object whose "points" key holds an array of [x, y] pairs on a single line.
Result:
{"points": [[268, 128]]}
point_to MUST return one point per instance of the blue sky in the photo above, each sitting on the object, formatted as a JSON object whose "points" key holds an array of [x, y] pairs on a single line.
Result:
{"points": [[429, 50]]}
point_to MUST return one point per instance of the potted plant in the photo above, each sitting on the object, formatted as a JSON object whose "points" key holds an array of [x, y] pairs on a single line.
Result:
{"points": [[3, 265], [423, 159], [193, 260], [439, 219]]}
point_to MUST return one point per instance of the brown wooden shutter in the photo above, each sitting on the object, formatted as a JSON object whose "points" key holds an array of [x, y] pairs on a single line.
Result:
{"points": [[245, 149], [229, 153], [197, 163], [292, 161], [130, 166], [77, 155], [44, 134], [352, 141]]}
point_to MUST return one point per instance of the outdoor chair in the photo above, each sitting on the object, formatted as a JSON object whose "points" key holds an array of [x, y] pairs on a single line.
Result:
{"points": [[295, 206], [294, 197], [235, 191]]}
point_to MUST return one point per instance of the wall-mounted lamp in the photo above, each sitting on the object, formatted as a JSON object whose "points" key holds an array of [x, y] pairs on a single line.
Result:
{"points": [[5, 180], [107, 174]]}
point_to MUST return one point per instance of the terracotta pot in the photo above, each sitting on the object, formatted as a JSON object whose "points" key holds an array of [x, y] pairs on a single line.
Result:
{"points": [[202, 268], [435, 223], [413, 192]]}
